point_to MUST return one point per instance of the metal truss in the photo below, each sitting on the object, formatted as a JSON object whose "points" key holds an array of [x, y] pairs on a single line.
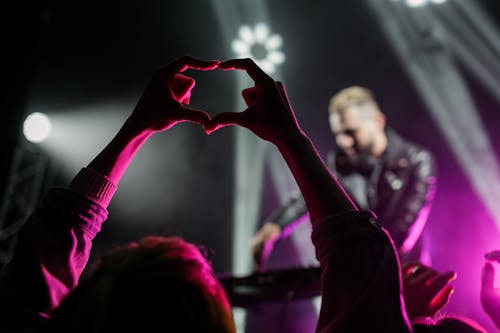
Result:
{"points": [[22, 193]]}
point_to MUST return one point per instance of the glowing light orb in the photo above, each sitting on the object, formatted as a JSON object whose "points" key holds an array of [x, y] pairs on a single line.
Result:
{"points": [[259, 44], [36, 127]]}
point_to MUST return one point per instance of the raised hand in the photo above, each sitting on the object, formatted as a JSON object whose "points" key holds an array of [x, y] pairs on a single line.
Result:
{"points": [[425, 290], [268, 115], [159, 108], [163, 103], [490, 296]]}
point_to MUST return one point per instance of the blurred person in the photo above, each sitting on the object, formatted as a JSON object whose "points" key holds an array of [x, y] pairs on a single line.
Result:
{"points": [[361, 275], [382, 172]]}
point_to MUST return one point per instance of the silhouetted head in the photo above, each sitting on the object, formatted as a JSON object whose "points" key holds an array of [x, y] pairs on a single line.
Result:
{"points": [[154, 285]]}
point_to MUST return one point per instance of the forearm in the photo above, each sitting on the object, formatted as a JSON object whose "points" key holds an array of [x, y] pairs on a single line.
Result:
{"points": [[323, 194], [115, 158]]}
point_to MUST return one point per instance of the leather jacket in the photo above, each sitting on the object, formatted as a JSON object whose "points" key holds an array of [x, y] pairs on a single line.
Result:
{"points": [[399, 188]]}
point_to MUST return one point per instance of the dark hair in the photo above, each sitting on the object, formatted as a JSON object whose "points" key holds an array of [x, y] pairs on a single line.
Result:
{"points": [[154, 283]]}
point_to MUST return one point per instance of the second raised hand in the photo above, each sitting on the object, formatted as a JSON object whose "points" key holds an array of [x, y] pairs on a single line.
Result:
{"points": [[268, 113]]}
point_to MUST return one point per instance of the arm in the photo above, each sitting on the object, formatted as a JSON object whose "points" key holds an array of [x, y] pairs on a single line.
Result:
{"points": [[361, 286], [279, 224], [54, 245]]}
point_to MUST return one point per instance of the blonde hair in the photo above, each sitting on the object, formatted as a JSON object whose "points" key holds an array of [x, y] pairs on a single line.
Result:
{"points": [[351, 96]]}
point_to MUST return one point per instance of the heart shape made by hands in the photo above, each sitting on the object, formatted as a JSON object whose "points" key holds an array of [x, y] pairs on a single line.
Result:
{"points": [[208, 85]]}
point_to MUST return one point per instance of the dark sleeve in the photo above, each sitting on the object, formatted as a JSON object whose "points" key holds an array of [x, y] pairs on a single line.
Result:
{"points": [[411, 213], [52, 250], [361, 286], [294, 210], [290, 213]]}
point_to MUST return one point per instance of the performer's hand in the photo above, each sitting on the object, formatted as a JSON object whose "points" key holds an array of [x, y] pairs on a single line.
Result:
{"points": [[262, 243], [268, 115], [490, 296], [425, 290], [163, 103]]}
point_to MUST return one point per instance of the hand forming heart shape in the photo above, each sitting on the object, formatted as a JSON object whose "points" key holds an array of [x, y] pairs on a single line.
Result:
{"points": [[268, 113]]}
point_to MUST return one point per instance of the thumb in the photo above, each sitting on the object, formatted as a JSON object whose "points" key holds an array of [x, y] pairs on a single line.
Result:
{"points": [[441, 299], [487, 277], [249, 95], [222, 120], [493, 255], [194, 115], [181, 87]]}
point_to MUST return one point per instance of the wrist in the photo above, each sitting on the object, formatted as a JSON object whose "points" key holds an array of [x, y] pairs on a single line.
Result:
{"points": [[291, 140]]}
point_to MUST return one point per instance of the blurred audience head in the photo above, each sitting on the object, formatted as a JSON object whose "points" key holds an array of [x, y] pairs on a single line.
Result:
{"points": [[155, 284]]}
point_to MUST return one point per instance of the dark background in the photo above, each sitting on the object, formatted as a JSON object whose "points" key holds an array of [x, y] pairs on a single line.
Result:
{"points": [[75, 56]]}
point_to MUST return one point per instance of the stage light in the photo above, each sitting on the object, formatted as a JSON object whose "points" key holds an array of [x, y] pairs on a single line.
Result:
{"points": [[274, 42], [416, 3], [261, 31], [260, 45], [246, 34], [36, 127], [420, 3]]}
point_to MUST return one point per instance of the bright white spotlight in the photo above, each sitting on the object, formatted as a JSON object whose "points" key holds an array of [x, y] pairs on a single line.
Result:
{"points": [[261, 32], [246, 34], [274, 42], [240, 47], [416, 3], [276, 57], [260, 45], [36, 127]]}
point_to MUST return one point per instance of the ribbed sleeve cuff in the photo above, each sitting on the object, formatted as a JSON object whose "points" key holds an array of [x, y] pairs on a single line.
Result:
{"points": [[342, 230], [94, 186]]}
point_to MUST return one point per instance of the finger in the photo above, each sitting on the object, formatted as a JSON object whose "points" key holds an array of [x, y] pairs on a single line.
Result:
{"points": [[440, 282], [423, 278], [410, 267], [249, 95], [182, 64], [257, 258], [194, 115], [441, 299], [181, 87], [493, 255], [282, 90], [488, 277], [223, 120], [410, 271], [247, 64]]}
